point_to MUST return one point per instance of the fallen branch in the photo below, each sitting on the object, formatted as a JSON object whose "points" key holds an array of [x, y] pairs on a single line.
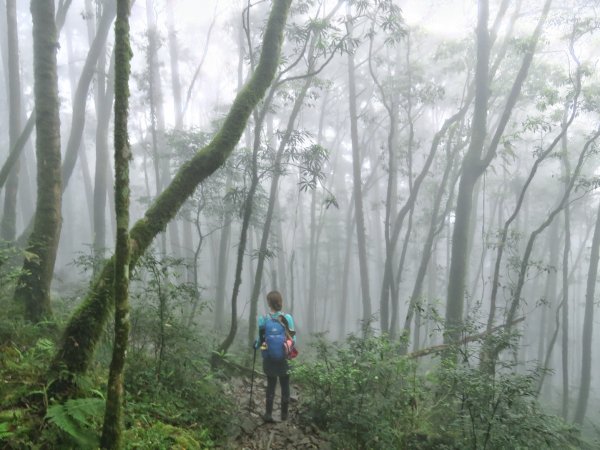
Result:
{"points": [[465, 340]]}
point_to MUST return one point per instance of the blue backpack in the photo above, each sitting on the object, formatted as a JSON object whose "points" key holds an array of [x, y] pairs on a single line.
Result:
{"points": [[275, 337]]}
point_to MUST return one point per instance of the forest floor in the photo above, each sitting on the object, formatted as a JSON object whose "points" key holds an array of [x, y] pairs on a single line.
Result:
{"points": [[252, 433]]}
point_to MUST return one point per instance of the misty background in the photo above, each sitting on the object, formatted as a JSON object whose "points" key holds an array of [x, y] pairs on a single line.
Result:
{"points": [[358, 159]]}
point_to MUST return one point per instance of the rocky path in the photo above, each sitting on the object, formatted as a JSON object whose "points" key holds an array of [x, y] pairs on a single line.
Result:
{"points": [[252, 433]]}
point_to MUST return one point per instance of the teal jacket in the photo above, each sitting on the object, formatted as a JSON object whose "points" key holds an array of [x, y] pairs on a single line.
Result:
{"points": [[262, 322]]}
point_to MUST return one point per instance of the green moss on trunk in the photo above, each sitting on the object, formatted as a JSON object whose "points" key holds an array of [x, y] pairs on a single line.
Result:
{"points": [[33, 288], [85, 327], [113, 416]]}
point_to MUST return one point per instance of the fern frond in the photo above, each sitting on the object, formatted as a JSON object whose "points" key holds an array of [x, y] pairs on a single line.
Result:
{"points": [[5, 431], [78, 418], [86, 411]]}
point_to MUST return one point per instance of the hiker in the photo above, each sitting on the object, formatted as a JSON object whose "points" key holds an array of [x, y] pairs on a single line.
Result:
{"points": [[276, 338]]}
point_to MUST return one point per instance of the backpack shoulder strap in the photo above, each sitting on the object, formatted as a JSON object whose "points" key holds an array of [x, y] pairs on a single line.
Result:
{"points": [[289, 333]]}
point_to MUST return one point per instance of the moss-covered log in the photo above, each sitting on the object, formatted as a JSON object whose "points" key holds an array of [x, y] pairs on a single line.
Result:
{"points": [[85, 326]]}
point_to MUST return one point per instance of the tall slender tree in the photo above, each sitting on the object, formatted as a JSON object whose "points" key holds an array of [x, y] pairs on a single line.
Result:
{"points": [[357, 185], [588, 327], [471, 171], [9, 217], [33, 288], [113, 420], [475, 162], [157, 120]]}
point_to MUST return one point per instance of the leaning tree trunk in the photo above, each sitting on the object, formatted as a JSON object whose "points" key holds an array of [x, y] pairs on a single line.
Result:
{"points": [[81, 94], [277, 169], [69, 200], [33, 287], [259, 118], [503, 235], [588, 327], [515, 301], [85, 327], [16, 150], [434, 228], [9, 217], [113, 417]]}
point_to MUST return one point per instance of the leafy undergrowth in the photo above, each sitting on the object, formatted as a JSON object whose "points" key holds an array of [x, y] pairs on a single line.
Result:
{"points": [[186, 408], [359, 395], [365, 396]]}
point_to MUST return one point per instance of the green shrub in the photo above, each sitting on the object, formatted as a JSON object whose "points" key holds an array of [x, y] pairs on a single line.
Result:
{"points": [[499, 411], [362, 394], [366, 396]]}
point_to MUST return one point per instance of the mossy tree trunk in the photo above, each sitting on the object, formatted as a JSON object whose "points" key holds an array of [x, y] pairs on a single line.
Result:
{"points": [[79, 103], [113, 421], [9, 217], [85, 327], [33, 288]]}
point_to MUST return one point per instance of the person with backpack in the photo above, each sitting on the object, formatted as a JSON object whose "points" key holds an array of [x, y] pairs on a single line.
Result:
{"points": [[276, 340]]}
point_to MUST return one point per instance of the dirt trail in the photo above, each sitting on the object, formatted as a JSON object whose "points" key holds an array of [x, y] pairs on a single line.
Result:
{"points": [[252, 433]]}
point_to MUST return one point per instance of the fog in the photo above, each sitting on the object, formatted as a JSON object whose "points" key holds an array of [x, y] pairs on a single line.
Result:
{"points": [[396, 180]]}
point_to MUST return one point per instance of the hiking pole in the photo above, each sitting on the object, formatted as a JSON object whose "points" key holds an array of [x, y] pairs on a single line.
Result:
{"points": [[252, 381]]}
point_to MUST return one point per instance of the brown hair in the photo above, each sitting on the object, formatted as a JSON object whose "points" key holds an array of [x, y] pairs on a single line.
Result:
{"points": [[274, 300]]}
